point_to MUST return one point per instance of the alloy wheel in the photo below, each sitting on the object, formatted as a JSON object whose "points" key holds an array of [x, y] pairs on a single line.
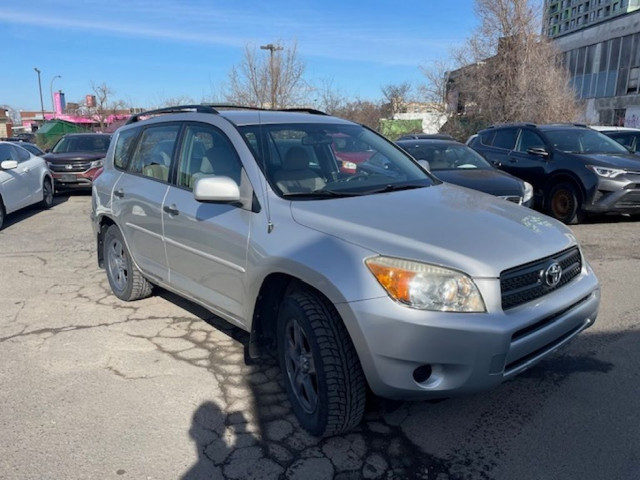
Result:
{"points": [[300, 366]]}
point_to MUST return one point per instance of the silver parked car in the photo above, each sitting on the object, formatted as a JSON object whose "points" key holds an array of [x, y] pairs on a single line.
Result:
{"points": [[381, 276], [25, 179]]}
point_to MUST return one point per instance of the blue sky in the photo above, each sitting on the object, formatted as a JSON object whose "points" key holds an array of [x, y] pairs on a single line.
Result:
{"points": [[147, 51]]}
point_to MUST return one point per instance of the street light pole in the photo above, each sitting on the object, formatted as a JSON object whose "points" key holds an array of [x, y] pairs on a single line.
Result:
{"points": [[272, 48], [53, 103], [40, 88]]}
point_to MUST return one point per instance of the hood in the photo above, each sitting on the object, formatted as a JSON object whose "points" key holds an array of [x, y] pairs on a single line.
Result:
{"points": [[494, 182], [443, 224], [623, 161], [74, 157]]}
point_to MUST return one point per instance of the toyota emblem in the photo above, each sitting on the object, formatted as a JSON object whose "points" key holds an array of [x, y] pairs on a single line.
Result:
{"points": [[552, 275]]}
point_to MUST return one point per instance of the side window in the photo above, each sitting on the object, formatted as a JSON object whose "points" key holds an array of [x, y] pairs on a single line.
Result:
{"points": [[626, 140], [527, 140], [6, 152], [152, 156], [20, 154], [123, 147], [206, 151], [486, 138], [505, 138]]}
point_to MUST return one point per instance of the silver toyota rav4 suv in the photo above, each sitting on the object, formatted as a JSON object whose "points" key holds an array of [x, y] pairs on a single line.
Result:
{"points": [[378, 275]]}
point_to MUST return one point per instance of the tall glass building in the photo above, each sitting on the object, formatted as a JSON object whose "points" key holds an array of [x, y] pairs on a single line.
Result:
{"points": [[600, 45]]}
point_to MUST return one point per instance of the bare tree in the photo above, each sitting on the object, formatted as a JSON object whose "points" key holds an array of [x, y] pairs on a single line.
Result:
{"points": [[273, 80], [509, 71], [104, 105], [362, 111], [397, 95], [330, 99]]}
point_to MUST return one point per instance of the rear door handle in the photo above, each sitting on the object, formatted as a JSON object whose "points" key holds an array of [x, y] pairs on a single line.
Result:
{"points": [[171, 210], [119, 193]]}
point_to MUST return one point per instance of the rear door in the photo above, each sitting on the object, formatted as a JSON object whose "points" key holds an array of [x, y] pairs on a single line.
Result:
{"points": [[32, 173], [138, 196], [15, 182], [207, 242]]}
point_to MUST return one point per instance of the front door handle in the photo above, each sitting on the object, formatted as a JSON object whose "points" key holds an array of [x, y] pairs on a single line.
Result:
{"points": [[119, 193], [171, 210]]}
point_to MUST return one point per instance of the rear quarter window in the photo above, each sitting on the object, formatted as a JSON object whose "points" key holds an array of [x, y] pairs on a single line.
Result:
{"points": [[505, 138], [123, 147]]}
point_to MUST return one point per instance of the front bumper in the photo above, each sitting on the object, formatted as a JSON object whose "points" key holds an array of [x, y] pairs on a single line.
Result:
{"points": [[75, 180], [620, 194], [413, 354]]}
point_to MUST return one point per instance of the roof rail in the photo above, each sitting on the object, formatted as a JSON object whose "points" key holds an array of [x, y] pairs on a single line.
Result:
{"points": [[244, 107], [176, 109], [312, 111]]}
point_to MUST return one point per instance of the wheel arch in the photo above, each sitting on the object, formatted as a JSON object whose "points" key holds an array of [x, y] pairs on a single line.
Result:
{"points": [[274, 288], [104, 222]]}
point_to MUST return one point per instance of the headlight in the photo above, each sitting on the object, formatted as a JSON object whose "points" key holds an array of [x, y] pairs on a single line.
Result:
{"points": [[97, 163], [528, 192], [426, 287], [606, 172]]}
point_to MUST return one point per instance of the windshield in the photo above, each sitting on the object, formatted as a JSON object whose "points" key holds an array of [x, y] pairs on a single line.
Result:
{"points": [[313, 161], [583, 141], [82, 143], [445, 156]]}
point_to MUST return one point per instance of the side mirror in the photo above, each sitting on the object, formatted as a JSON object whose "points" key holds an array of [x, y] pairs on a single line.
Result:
{"points": [[9, 165], [216, 190], [425, 164], [538, 151]]}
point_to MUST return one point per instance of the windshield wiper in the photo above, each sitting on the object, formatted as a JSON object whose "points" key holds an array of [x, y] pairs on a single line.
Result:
{"points": [[321, 194], [396, 187]]}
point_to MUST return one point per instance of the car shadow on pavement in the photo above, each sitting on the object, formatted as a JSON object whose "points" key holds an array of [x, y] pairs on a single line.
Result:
{"points": [[249, 430], [28, 212]]}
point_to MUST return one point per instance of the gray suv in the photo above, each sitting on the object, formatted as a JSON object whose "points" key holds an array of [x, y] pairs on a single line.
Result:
{"points": [[380, 277]]}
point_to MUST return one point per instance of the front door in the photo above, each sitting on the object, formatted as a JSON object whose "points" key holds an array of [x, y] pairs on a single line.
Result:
{"points": [[207, 242]]}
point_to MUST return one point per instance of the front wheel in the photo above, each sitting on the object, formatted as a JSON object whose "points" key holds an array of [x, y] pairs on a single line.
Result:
{"points": [[47, 193], [126, 281], [564, 203], [321, 369]]}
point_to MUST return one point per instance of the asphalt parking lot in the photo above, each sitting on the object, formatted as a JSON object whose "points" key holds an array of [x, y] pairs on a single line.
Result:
{"points": [[95, 388]]}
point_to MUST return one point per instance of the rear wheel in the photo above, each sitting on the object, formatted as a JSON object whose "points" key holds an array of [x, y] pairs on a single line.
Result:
{"points": [[322, 373], [3, 213], [564, 203], [125, 279], [47, 193]]}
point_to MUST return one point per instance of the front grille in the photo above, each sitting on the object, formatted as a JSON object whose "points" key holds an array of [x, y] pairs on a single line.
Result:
{"points": [[525, 283], [75, 167]]}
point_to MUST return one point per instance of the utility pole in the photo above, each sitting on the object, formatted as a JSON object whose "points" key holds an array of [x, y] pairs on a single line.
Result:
{"points": [[272, 48], [40, 88]]}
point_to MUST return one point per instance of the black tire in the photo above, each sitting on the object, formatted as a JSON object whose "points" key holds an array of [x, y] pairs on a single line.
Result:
{"points": [[3, 213], [564, 203], [320, 366], [47, 193], [125, 279]]}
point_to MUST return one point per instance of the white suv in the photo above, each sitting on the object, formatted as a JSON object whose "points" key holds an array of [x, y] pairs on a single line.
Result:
{"points": [[381, 276]]}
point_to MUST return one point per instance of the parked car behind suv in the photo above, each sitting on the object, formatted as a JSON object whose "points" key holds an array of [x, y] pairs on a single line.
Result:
{"points": [[384, 277], [76, 157], [574, 170], [24, 180], [456, 163], [628, 137]]}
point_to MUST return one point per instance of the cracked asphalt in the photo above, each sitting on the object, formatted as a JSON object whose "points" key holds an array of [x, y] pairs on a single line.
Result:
{"points": [[95, 388]]}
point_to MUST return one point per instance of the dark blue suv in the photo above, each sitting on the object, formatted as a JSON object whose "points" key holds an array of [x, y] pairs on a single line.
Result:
{"points": [[574, 170]]}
